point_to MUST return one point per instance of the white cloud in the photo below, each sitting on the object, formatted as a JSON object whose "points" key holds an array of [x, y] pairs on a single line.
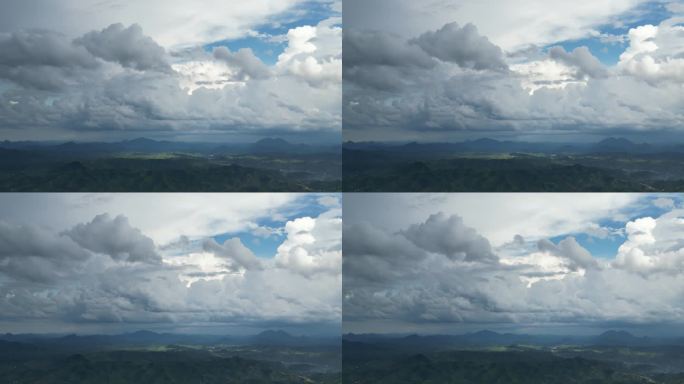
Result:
{"points": [[545, 74], [547, 92], [135, 75], [172, 23], [654, 245], [314, 53], [313, 245], [545, 216], [540, 284], [654, 52], [238, 256], [194, 215], [91, 272], [511, 25]]}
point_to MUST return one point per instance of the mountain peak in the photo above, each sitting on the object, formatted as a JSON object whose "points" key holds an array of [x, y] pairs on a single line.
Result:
{"points": [[144, 333], [616, 141], [272, 141], [485, 140], [616, 334], [486, 332], [274, 333], [142, 140]]}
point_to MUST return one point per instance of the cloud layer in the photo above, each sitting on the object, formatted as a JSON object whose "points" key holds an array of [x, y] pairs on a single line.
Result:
{"points": [[122, 79], [105, 274], [452, 74], [438, 274]]}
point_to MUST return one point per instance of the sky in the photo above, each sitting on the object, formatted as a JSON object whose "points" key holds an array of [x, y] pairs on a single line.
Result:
{"points": [[534, 70], [89, 70], [182, 263], [563, 264]]}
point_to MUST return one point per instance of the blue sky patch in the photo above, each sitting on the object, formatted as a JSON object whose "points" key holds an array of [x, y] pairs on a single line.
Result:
{"points": [[609, 52], [266, 247], [607, 247], [268, 46], [263, 247]]}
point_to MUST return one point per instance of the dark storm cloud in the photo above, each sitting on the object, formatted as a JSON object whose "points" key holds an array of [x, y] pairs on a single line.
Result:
{"points": [[373, 255], [80, 85], [234, 251], [248, 65], [365, 239], [42, 59], [581, 59], [116, 238], [126, 46], [382, 61], [463, 46], [451, 237], [384, 49], [29, 253], [387, 276], [42, 48], [23, 241], [441, 81]]}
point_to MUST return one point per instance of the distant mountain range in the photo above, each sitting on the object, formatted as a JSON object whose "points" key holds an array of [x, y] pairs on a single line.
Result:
{"points": [[490, 338], [145, 145], [143, 337], [486, 145]]}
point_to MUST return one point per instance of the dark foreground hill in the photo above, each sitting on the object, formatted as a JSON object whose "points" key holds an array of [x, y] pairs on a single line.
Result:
{"points": [[495, 358], [486, 165], [144, 165], [145, 357], [133, 367]]}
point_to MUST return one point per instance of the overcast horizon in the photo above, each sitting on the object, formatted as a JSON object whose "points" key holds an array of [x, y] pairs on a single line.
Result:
{"points": [[562, 264], [118, 69], [527, 70], [199, 263]]}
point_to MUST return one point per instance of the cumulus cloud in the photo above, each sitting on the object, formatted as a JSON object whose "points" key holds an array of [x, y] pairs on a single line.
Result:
{"points": [[235, 251], [248, 65], [450, 237], [27, 252], [655, 52], [42, 59], [312, 246], [426, 272], [571, 250], [580, 58], [463, 46], [383, 61], [117, 238], [382, 49], [314, 53], [126, 46], [653, 245]]}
